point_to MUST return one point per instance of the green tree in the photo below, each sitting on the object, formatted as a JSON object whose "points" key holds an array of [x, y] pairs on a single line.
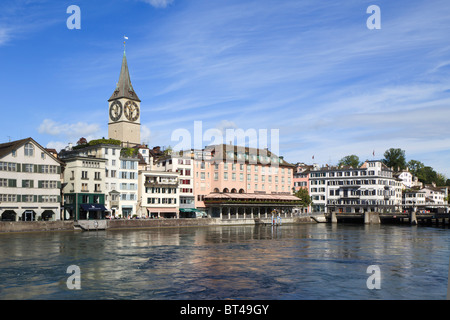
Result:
{"points": [[352, 161], [395, 158], [305, 198], [415, 166]]}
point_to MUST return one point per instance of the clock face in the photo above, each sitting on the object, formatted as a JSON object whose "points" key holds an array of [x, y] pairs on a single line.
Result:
{"points": [[131, 111], [115, 111]]}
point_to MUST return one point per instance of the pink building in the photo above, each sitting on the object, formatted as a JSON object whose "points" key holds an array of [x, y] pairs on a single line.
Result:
{"points": [[301, 176], [235, 182]]}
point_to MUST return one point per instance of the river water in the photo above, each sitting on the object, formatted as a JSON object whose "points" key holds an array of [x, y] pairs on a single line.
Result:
{"points": [[288, 262]]}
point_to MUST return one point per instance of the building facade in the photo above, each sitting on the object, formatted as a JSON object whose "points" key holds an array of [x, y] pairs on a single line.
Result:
{"points": [[412, 199], [184, 166], [406, 178], [235, 182], [30, 182], [120, 176], [158, 194], [434, 196], [84, 188], [371, 187]]}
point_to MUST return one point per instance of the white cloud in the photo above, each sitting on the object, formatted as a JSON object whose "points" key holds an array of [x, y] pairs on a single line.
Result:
{"points": [[70, 131], [4, 37], [51, 127], [158, 3]]}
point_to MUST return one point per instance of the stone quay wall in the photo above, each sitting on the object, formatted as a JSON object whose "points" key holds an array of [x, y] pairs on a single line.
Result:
{"points": [[35, 226], [41, 226]]}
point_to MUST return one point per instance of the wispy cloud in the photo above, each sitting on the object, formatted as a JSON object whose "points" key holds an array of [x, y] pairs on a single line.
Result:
{"points": [[158, 3], [69, 131]]}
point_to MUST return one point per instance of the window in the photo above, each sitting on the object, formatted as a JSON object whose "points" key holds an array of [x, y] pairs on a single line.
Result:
{"points": [[29, 149], [7, 166], [27, 183], [27, 198], [84, 175]]}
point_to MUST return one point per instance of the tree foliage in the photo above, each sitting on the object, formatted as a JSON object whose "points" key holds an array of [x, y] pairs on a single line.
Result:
{"points": [[415, 166], [305, 198], [352, 161], [395, 158], [427, 174]]}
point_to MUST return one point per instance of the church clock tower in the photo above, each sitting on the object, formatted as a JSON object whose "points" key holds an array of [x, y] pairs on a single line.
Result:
{"points": [[124, 110]]}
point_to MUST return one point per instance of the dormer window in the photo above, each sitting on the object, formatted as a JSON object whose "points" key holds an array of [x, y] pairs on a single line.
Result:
{"points": [[29, 150]]}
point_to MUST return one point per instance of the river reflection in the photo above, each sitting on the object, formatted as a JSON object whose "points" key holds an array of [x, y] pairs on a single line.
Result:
{"points": [[310, 261]]}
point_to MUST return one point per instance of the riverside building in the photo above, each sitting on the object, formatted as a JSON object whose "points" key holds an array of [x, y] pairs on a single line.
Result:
{"points": [[184, 166], [158, 192], [30, 182], [118, 176], [233, 182], [371, 187]]}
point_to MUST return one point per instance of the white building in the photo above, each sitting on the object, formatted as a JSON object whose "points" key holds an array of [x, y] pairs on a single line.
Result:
{"points": [[433, 195], [158, 194], [120, 175], [370, 187], [406, 177], [83, 187], [184, 166], [413, 198], [30, 182]]}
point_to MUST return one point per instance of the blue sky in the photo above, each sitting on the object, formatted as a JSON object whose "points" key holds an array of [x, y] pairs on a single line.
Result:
{"points": [[311, 69]]}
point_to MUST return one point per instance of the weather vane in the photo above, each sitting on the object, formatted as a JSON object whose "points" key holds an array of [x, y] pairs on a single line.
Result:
{"points": [[124, 38]]}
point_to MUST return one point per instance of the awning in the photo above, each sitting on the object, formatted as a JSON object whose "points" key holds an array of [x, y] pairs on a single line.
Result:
{"points": [[93, 207], [189, 210], [161, 210]]}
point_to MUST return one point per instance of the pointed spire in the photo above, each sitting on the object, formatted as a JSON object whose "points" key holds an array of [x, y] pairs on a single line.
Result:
{"points": [[124, 89]]}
